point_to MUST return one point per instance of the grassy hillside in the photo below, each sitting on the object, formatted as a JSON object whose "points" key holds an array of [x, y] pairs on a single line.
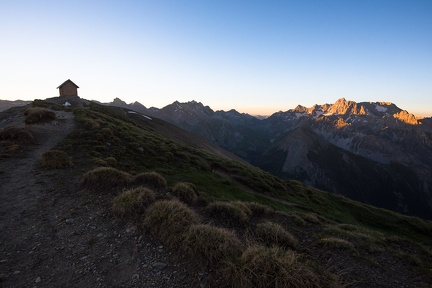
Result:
{"points": [[256, 229]]}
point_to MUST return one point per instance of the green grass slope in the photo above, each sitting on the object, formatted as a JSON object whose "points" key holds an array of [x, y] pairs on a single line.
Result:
{"points": [[226, 200]]}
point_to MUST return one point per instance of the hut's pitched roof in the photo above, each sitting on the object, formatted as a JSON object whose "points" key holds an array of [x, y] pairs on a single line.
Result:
{"points": [[66, 82]]}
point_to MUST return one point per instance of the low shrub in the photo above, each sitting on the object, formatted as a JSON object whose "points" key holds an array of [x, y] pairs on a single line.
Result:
{"points": [[105, 178], [271, 234], [15, 134], [229, 211], [213, 244], [56, 159], [261, 266], [152, 180], [133, 202], [38, 115], [187, 192], [169, 220]]}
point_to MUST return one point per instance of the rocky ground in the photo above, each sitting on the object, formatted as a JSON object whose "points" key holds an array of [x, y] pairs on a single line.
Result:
{"points": [[54, 234]]}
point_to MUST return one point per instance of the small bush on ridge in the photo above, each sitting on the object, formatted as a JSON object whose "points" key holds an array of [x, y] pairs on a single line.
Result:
{"points": [[16, 134], [133, 202], [274, 234], [263, 267], [105, 178], [170, 220], [213, 244], [187, 192], [152, 180], [38, 115], [258, 209], [228, 211]]}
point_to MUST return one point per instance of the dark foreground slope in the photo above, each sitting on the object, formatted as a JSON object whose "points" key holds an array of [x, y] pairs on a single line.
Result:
{"points": [[243, 227]]}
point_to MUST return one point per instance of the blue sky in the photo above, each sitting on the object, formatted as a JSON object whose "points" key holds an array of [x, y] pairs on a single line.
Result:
{"points": [[257, 57]]}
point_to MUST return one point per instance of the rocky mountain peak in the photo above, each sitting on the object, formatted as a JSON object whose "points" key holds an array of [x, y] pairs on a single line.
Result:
{"points": [[118, 102], [344, 107], [406, 117]]}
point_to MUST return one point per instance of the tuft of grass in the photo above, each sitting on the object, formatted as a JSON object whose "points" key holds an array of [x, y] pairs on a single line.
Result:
{"points": [[15, 134], [56, 159], [261, 267], [152, 180], [228, 211], [111, 161], [244, 207], [213, 244], [169, 220], [258, 209], [133, 202], [105, 178], [38, 115], [272, 234], [187, 192], [337, 243], [358, 234], [312, 218], [297, 219]]}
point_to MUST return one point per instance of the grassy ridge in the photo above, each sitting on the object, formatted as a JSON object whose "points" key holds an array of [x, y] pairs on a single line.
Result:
{"points": [[236, 218], [111, 137]]}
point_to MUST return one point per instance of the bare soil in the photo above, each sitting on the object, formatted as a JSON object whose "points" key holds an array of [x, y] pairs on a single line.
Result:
{"points": [[54, 234]]}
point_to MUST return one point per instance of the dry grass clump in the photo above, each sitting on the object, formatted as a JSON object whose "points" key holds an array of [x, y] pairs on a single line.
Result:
{"points": [[213, 244], [337, 243], [152, 180], [245, 208], [56, 159], [355, 233], [297, 219], [105, 178], [187, 192], [264, 267], [170, 220], [272, 234], [133, 202], [228, 211], [258, 209], [313, 218], [38, 115], [111, 161], [16, 134]]}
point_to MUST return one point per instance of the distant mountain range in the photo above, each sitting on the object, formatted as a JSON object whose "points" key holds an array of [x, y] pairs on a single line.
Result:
{"points": [[6, 104], [373, 152]]}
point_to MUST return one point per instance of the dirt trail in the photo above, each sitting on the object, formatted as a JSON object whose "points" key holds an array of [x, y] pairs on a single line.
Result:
{"points": [[55, 235]]}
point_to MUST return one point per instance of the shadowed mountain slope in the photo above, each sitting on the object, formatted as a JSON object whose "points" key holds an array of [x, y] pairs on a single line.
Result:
{"points": [[373, 152]]}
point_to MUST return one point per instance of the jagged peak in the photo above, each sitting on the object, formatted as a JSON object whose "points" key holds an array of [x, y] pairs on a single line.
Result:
{"points": [[344, 107], [406, 117], [118, 100]]}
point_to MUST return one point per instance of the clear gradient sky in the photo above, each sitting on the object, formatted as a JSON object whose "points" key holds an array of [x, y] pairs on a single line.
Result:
{"points": [[257, 57]]}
